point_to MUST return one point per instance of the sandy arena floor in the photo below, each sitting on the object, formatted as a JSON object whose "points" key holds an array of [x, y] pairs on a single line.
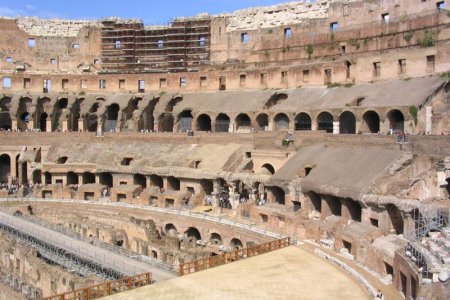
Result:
{"points": [[289, 273]]}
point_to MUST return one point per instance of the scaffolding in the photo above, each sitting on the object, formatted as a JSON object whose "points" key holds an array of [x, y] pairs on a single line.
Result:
{"points": [[183, 45]]}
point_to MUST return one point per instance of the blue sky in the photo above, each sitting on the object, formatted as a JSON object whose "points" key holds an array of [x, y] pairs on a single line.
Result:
{"points": [[152, 12]]}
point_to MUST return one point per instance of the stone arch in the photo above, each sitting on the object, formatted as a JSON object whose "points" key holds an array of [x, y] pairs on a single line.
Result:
{"points": [[5, 167], [184, 120], [156, 180], [173, 183], [91, 123], [371, 122], [139, 179], [111, 116], [207, 186], [88, 178], [315, 202], [276, 195], [43, 121], [281, 122], [166, 122], [236, 244], [396, 218], [396, 120], [335, 205], [58, 110], [171, 230], [325, 122], [37, 176], [262, 122], [106, 178], [194, 233], [303, 122], [347, 123], [203, 123], [354, 209], [5, 116], [243, 122], [75, 115], [41, 115], [72, 178], [215, 239], [23, 113], [268, 169], [222, 123]]}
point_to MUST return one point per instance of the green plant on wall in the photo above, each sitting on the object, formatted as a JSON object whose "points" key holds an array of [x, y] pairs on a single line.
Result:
{"points": [[426, 40], [413, 112], [407, 37], [355, 43], [309, 51]]}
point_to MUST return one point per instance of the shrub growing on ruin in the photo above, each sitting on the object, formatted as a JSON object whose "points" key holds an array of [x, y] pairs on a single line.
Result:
{"points": [[413, 112]]}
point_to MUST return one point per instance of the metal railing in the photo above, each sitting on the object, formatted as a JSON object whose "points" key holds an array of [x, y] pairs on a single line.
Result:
{"points": [[222, 259], [105, 289]]}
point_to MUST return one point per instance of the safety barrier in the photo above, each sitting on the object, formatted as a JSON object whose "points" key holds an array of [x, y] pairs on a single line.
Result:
{"points": [[105, 289], [222, 259]]}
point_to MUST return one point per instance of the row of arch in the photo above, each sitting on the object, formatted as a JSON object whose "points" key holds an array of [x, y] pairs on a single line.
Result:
{"points": [[112, 117]]}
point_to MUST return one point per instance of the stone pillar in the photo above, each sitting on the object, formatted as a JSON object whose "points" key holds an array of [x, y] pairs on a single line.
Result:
{"points": [[80, 179], [80, 124], [409, 226], [14, 125], [48, 125], [358, 126], [325, 208], [345, 212], [313, 125], [336, 127], [97, 178], [65, 126], [428, 119], [213, 126], [232, 127], [155, 125]]}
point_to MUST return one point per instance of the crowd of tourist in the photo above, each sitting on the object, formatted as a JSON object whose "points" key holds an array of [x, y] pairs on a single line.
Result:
{"points": [[14, 187]]}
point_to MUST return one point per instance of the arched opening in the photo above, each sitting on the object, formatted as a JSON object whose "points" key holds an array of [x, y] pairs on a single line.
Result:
{"points": [[396, 218], [185, 120], [72, 178], [92, 123], [347, 123], [171, 230], [24, 175], [165, 122], [315, 201], [276, 195], [281, 122], [47, 178], [193, 233], [37, 176], [207, 186], [203, 123], [262, 122], [447, 188], [354, 209], [17, 166], [325, 122], [173, 183], [58, 110], [222, 123], [5, 167], [335, 205], [147, 119], [111, 117], [5, 117], [303, 122], [75, 115], [139, 179], [23, 114], [243, 123], [268, 169], [156, 180], [106, 179], [215, 239], [43, 122], [62, 160], [396, 120], [236, 244], [371, 122], [88, 178], [94, 108]]}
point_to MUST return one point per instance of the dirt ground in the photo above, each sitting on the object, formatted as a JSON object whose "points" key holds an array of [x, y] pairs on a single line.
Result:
{"points": [[289, 273]]}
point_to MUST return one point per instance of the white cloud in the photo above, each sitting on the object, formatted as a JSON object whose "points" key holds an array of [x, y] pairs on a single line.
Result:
{"points": [[10, 12]]}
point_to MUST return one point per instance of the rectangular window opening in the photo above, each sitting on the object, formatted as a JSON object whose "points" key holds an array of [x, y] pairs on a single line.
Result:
{"points": [[117, 44], [287, 33], [64, 84], [26, 83], [334, 26], [160, 44], [121, 84], [385, 18], [162, 82], [203, 81], [141, 86], [6, 82], [244, 38], [31, 43], [102, 84], [430, 63], [83, 84], [263, 78], [183, 82], [242, 79], [402, 66], [47, 85], [376, 69], [305, 75], [202, 41]]}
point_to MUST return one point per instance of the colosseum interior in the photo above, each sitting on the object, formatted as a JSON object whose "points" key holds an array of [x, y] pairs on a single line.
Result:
{"points": [[331, 120]]}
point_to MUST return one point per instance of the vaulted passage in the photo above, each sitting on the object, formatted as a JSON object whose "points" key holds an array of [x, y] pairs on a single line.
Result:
{"points": [[5, 167], [396, 218], [262, 122], [276, 195], [203, 123], [193, 233], [371, 122], [5, 117], [106, 179], [111, 117], [57, 114], [88, 178], [347, 123], [75, 115], [139, 179], [222, 123], [302, 122], [156, 180], [24, 117], [243, 122], [325, 122], [396, 120], [185, 120], [72, 178], [281, 122], [165, 122]]}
